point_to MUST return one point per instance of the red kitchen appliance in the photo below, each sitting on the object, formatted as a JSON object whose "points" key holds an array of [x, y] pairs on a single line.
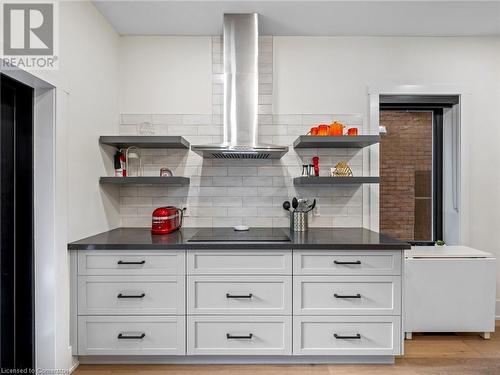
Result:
{"points": [[166, 219]]}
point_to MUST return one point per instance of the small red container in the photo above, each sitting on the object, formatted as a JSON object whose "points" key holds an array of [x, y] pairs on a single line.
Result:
{"points": [[352, 131], [166, 220], [313, 131]]}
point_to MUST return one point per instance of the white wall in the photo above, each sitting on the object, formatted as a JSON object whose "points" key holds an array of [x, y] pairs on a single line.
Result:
{"points": [[88, 68], [89, 60], [165, 75], [328, 75]]}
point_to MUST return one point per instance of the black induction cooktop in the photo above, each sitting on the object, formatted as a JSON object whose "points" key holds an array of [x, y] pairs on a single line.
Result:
{"points": [[231, 235]]}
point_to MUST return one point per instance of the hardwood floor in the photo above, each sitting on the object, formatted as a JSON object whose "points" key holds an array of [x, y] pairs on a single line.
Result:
{"points": [[439, 354]]}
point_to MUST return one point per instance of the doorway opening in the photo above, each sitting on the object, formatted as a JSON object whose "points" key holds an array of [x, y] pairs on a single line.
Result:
{"points": [[413, 162], [38, 227], [17, 323]]}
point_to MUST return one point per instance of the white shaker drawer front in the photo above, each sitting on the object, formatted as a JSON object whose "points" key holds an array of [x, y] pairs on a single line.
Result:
{"points": [[347, 335], [347, 295], [239, 262], [265, 295], [131, 335], [347, 262], [245, 335], [131, 263], [115, 295]]}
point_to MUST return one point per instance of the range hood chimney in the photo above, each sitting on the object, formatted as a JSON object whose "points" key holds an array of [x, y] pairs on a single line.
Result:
{"points": [[241, 91]]}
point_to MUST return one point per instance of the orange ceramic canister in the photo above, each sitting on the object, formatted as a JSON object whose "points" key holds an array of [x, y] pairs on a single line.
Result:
{"points": [[352, 131], [314, 131], [323, 129], [337, 129]]}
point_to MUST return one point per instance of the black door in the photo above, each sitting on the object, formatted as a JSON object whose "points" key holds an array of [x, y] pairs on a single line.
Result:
{"points": [[16, 226]]}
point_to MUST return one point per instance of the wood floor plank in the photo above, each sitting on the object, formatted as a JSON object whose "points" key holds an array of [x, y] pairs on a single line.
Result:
{"points": [[426, 354]]}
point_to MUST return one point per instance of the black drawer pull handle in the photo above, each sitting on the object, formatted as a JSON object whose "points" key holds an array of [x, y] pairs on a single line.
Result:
{"points": [[126, 262], [236, 337], [357, 336], [347, 296], [121, 336], [249, 295], [142, 295], [346, 263]]}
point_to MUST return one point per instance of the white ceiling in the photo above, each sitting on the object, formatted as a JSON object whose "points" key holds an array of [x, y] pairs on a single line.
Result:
{"points": [[322, 18]]}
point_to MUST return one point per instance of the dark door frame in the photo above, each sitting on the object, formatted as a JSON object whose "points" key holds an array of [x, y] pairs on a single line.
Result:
{"points": [[18, 306], [50, 195]]}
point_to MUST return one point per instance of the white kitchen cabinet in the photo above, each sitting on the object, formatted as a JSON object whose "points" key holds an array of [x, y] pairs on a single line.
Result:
{"points": [[347, 303], [227, 262], [449, 289], [241, 335], [130, 302], [347, 335], [231, 303], [229, 295], [347, 295], [131, 335], [128, 295], [338, 262], [131, 262]]}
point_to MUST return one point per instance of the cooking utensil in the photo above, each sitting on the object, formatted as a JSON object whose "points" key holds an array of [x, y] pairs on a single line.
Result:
{"points": [[299, 217], [286, 205], [302, 205], [295, 203], [311, 207]]}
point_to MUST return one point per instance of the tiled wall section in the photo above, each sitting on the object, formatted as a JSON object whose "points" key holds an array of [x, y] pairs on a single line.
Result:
{"points": [[250, 192]]}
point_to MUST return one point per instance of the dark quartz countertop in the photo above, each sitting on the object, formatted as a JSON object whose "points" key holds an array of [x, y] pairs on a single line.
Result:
{"points": [[314, 239]]}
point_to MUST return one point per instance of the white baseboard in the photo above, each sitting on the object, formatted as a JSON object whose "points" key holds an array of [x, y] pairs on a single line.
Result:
{"points": [[76, 363], [239, 359]]}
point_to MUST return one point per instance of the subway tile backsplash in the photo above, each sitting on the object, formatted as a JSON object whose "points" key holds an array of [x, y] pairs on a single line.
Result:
{"points": [[250, 192], [230, 192]]}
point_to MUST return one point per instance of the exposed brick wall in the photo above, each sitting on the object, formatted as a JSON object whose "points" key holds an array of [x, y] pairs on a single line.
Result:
{"points": [[405, 152]]}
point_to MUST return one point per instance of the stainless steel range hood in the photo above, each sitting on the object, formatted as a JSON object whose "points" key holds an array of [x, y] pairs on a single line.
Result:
{"points": [[241, 86]]}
